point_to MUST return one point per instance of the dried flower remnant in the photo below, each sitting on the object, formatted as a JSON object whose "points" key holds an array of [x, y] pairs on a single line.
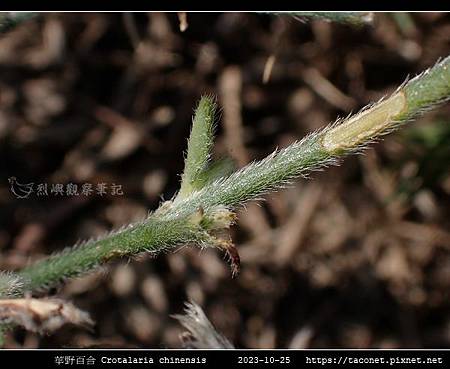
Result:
{"points": [[41, 315]]}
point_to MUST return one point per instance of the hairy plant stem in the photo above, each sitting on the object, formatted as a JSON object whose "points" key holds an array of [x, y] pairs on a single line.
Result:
{"points": [[357, 19], [152, 235], [193, 217], [324, 147]]}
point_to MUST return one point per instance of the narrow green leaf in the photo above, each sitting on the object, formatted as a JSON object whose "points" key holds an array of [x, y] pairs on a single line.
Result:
{"points": [[200, 144], [215, 170]]}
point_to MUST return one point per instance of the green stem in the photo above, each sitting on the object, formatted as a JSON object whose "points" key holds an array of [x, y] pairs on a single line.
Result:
{"points": [[357, 19], [191, 218], [428, 89], [326, 146], [151, 235]]}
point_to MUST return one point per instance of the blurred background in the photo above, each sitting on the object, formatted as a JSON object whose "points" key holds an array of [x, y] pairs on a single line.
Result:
{"points": [[357, 256]]}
